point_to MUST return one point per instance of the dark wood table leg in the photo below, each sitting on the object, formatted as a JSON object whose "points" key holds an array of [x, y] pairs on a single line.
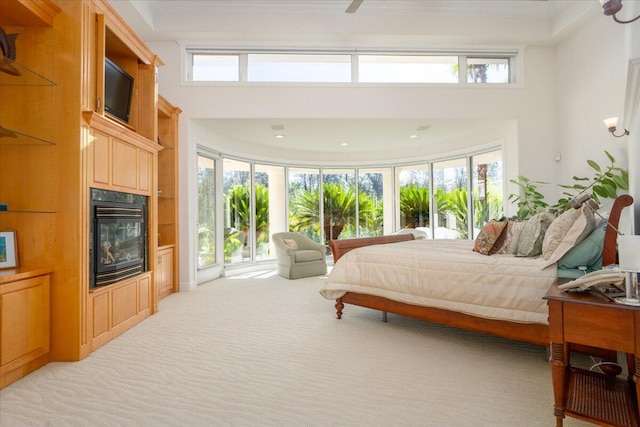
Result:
{"points": [[559, 369], [633, 363]]}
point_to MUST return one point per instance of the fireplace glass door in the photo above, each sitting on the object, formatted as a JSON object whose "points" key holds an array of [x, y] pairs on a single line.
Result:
{"points": [[119, 239]]}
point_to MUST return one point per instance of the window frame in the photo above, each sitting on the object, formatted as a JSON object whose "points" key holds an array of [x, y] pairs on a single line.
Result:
{"points": [[205, 152], [514, 57], [391, 219]]}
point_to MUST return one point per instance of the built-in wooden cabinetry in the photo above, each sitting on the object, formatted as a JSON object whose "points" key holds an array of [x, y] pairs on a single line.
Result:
{"points": [[66, 145], [29, 153], [165, 270], [116, 308], [118, 159], [24, 323], [167, 282]]}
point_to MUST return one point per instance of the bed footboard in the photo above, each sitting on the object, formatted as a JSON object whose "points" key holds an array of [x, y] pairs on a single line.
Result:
{"points": [[341, 247]]}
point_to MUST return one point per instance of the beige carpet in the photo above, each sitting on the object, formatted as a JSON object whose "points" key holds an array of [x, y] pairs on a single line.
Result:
{"points": [[259, 350]]}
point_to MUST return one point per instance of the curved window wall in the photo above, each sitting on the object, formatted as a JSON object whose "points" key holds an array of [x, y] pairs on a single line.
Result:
{"points": [[451, 198]]}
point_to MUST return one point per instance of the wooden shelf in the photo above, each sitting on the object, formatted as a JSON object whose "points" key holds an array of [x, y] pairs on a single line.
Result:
{"points": [[27, 76], [168, 258], [28, 13], [591, 397], [13, 275], [27, 211], [27, 166], [13, 137]]}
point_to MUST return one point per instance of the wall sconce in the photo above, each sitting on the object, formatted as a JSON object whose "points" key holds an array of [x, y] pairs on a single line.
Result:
{"points": [[612, 124], [611, 7]]}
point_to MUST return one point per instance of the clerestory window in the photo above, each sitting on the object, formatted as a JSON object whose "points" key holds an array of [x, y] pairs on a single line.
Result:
{"points": [[351, 67]]}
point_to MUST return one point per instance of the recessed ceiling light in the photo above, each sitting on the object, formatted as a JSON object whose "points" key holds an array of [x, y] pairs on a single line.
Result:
{"points": [[414, 136], [279, 136], [344, 144]]}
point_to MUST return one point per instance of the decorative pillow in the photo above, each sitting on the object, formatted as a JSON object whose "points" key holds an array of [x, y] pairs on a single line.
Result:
{"points": [[587, 253], [512, 236], [291, 243], [565, 232], [530, 242], [492, 234]]}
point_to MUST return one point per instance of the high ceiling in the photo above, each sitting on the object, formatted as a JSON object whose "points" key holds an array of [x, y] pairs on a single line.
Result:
{"points": [[349, 141], [394, 24]]}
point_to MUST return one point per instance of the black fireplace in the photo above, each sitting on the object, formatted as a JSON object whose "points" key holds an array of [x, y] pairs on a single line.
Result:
{"points": [[118, 238]]}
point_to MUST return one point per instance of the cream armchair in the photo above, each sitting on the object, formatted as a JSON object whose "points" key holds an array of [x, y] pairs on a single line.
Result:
{"points": [[298, 256]]}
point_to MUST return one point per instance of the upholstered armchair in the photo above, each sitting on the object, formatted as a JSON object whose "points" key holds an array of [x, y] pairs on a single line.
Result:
{"points": [[298, 256]]}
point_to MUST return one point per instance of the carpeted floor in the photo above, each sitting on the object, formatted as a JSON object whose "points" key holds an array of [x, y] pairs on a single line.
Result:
{"points": [[259, 350]]}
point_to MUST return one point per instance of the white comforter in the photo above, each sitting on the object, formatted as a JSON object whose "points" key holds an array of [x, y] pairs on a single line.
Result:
{"points": [[446, 274]]}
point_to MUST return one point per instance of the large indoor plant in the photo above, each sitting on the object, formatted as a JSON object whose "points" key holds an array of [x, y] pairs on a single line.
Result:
{"points": [[604, 184]]}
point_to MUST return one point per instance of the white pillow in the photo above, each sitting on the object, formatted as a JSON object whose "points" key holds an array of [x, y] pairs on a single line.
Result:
{"points": [[565, 232]]}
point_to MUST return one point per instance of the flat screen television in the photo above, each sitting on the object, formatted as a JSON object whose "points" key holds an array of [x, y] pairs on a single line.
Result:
{"points": [[118, 89]]}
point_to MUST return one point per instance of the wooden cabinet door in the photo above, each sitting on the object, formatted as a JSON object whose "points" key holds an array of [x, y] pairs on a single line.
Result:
{"points": [[164, 277], [24, 322]]}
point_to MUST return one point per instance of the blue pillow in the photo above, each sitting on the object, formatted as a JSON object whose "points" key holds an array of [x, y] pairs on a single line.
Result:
{"points": [[586, 253]]}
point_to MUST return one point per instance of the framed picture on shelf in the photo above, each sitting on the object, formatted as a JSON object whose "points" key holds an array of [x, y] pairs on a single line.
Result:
{"points": [[8, 249]]}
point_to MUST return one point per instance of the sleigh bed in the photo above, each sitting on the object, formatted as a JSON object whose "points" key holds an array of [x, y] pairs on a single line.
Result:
{"points": [[447, 282]]}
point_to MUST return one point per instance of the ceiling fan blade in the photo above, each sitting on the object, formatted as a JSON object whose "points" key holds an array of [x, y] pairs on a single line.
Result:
{"points": [[355, 4]]}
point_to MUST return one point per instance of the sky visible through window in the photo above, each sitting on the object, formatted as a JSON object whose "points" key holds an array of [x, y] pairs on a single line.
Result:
{"points": [[333, 68]]}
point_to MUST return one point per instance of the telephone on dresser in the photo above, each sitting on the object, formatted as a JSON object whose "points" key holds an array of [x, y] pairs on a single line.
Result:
{"points": [[600, 277]]}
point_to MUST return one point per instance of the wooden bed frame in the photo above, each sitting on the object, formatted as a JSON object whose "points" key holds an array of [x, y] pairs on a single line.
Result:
{"points": [[527, 332]]}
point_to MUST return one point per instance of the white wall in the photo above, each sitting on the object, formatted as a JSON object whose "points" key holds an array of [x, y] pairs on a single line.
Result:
{"points": [[568, 90], [592, 68], [631, 120]]}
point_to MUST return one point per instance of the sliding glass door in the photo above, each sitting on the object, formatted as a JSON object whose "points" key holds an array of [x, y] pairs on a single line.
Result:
{"points": [[450, 196], [270, 207], [304, 202], [237, 211], [374, 188], [206, 210], [412, 183], [487, 186], [339, 203]]}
